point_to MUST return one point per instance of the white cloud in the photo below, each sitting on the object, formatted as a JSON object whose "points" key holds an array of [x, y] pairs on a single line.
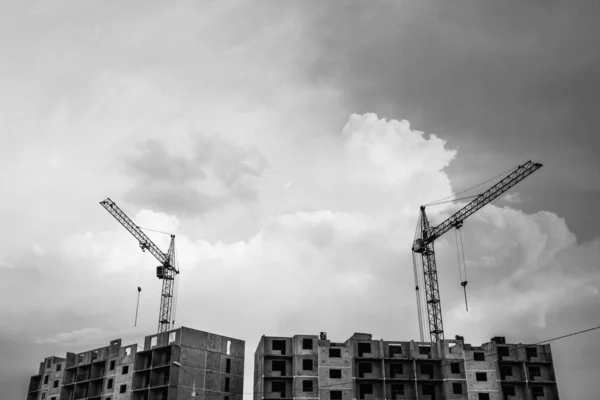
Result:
{"points": [[512, 197]]}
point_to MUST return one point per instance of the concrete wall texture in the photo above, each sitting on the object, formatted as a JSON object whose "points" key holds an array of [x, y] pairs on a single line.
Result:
{"points": [[312, 367], [212, 363]]}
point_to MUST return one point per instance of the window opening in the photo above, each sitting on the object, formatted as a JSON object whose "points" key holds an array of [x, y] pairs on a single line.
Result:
{"points": [[278, 387], [228, 366], [396, 370], [484, 396], [427, 389], [55, 384], [58, 367], [480, 376], [109, 384], [335, 373], [531, 352], [123, 389], [307, 344], [111, 366], [505, 370], [535, 371], [125, 370], [335, 395], [227, 380], [279, 345], [365, 389], [395, 350], [503, 351], [397, 390], [455, 368], [510, 391], [45, 379], [364, 349], [364, 369], [335, 353], [424, 350], [457, 388], [478, 356], [229, 348], [427, 369], [307, 365], [278, 366], [307, 386]]}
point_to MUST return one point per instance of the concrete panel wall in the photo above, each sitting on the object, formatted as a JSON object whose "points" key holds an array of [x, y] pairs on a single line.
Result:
{"points": [[325, 360], [127, 358], [212, 381], [345, 382], [214, 343], [54, 375], [449, 389], [298, 365], [194, 338], [213, 361], [298, 386], [298, 345], [237, 365]]}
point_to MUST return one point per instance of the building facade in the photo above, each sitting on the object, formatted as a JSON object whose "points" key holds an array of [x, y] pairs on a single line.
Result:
{"points": [[312, 367], [168, 367]]}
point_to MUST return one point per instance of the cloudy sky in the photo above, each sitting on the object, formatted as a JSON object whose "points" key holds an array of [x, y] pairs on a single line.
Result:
{"points": [[289, 146]]}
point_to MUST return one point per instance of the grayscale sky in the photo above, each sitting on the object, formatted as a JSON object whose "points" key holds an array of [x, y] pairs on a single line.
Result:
{"points": [[289, 146]]}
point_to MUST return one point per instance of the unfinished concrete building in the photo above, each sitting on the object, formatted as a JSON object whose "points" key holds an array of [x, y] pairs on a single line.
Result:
{"points": [[312, 367], [168, 367]]}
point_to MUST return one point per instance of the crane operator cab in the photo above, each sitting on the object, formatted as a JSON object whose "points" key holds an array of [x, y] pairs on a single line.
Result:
{"points": [[419, 246], [160, 272]]}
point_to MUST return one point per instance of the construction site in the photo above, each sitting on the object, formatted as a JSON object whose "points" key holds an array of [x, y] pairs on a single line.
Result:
{"points": [[313, 367], [184, 363]]}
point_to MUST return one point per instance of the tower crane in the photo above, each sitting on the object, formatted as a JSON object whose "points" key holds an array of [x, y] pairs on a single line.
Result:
{"points": [[427, 234], [166, 271]]}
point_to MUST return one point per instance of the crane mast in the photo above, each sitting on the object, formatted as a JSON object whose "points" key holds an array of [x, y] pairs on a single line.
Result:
{"points": [[424, 245], [166, 271]]}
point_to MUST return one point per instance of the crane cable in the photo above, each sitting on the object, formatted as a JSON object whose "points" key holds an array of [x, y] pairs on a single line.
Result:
{"points": [[139, 288], [452, 197], [418, 277], [176, 288], [461, 252]]}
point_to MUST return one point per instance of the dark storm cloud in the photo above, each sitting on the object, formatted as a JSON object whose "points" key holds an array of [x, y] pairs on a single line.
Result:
{"points": [[502, 81], [180, 183]]}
